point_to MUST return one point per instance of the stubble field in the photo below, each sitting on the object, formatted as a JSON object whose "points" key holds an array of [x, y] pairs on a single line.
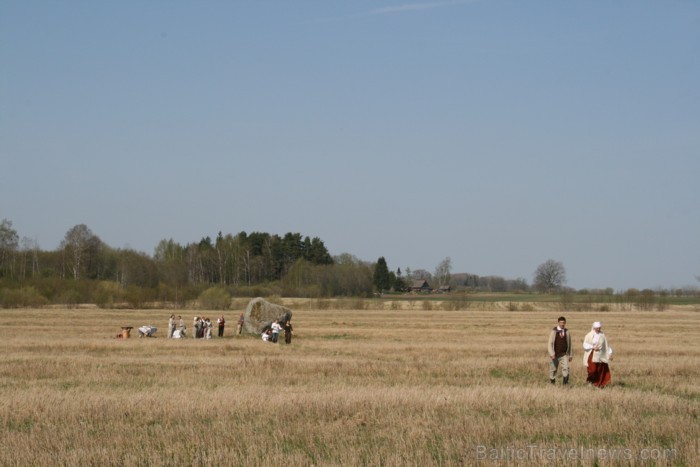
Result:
{"points": [[355, 387]]}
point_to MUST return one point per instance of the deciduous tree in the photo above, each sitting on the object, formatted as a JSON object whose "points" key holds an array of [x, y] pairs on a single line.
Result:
{"points": [[9, 241], [80, 246], [549, 276], [442, 271]]}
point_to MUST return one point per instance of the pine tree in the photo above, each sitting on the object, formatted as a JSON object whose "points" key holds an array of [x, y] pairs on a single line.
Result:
{"points": [[381, 278]]}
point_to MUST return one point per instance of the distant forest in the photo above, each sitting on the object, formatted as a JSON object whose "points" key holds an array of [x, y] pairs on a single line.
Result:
{"points": [[86, 270], [83, 269]]}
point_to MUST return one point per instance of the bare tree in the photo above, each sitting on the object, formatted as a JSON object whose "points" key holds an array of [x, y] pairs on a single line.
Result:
{"points": [[75, 245], [442, 271], [549, 276], [9, 240], [420, 274], [29, 253]]}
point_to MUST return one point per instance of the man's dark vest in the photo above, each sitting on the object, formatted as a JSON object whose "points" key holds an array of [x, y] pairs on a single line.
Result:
{"points": [[560, 345]]}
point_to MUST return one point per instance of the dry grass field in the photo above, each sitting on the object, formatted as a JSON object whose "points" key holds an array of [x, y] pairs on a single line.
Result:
{"points": [[355, 387]]}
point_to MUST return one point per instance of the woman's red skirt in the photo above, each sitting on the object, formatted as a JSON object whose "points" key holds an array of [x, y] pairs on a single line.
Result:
{"points": [[598, 373]]}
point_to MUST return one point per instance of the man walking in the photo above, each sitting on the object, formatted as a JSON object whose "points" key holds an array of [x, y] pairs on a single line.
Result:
{"points": [[222, 323], [559, 348]]}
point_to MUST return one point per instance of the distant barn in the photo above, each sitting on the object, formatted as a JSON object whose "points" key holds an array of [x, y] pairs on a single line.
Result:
{"points": [[420, 286]]}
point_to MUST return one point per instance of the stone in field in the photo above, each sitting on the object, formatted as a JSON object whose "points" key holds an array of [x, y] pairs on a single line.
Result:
{"points": [[260, 314]]}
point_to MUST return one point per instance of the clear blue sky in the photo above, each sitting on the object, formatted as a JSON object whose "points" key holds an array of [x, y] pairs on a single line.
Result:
{"points": [[498, 133]]}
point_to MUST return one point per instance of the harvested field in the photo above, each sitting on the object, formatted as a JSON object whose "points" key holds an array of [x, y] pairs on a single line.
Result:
{"points": [[356, 386]]}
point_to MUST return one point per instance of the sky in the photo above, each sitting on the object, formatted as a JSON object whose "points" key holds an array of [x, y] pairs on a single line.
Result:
{"points": [[497, 133]]}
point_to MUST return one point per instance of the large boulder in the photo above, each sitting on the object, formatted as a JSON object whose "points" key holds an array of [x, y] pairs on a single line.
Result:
{"points": [[260, 314]]}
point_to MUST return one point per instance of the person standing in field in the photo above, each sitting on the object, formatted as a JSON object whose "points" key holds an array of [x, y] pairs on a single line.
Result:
{"points": [[182, 326], [287, 332], [198, 327], [276, 328], [221, 322], [559, 347], [239, 327], [207, 328], [171, 326], [598, 354]]}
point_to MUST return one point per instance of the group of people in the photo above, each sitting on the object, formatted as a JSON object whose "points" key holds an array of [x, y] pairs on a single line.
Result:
{"points": [[176, 327], [203, 328], [597, 354], [202, 325], [272, 333]]}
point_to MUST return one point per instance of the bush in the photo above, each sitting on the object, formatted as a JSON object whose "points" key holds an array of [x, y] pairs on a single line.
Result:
{"points": [[566, 300], [70, 298], [261, 290], [24, 297], [107, 294], [450, 305], [239, 303], [104, 299], [214, 298], [136, 296], [645, 300], [176, 295]]}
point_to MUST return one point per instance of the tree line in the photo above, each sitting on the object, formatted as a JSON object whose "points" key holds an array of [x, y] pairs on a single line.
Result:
{"points": [[228, 260], [83, 269], [86, 269]]}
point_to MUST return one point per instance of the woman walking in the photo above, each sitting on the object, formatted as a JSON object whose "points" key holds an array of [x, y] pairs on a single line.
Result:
{"points": [[598, 354]]}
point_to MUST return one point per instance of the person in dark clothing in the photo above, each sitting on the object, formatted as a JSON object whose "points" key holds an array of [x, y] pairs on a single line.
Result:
{"points": [[559, 348], [287, 332], [221, 322], [200, 326]]}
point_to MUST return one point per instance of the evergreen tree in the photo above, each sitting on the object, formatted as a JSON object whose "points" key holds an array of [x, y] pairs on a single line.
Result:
{"points": [[318, 254], [381, 278], [399, 283]]}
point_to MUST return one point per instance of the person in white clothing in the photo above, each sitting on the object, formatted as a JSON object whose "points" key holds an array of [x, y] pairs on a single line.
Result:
{"points": [[171, 326], [598, 354], [207, 328], [276, 328]]}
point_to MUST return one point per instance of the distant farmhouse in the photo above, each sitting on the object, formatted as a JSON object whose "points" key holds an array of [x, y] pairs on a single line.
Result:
{"points": [[445, 289], [420, 286]]}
